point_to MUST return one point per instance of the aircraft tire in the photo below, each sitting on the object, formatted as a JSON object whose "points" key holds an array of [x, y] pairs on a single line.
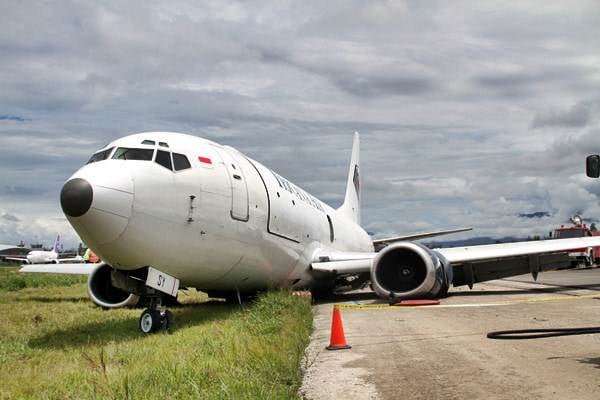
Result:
{"points": [[150, 321], [167, 320]]}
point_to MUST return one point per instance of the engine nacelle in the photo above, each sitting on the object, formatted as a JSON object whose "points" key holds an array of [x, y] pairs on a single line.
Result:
{"points": [[408, 270], [104, 294]]}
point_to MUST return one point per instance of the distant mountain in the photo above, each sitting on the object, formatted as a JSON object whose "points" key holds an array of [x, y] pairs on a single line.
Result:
{"points": [[538, 214]]}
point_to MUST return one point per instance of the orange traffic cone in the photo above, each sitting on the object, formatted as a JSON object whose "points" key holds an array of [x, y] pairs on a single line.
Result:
{"points": [[337, 340]]}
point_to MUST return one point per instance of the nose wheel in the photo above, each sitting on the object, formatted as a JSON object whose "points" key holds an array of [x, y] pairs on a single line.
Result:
{"points": [[155, 318]]}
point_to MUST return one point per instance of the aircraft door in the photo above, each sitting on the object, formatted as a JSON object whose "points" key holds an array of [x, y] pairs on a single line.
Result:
{"points": [[239, 188]]}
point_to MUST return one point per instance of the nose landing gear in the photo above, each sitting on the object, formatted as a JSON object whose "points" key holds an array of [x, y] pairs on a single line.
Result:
{"points": [[155, 318]]}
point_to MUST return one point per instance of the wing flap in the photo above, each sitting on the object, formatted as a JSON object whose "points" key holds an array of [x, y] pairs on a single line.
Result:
{"points": [[73, 269], [470, 273]]}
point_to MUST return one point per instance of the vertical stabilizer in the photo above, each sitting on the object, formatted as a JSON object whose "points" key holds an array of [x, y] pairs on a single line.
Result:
{"points": [[55, 248], [351, 206]]}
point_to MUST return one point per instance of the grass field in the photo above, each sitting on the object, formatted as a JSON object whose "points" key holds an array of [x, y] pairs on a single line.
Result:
{"points": [[54, 343]]}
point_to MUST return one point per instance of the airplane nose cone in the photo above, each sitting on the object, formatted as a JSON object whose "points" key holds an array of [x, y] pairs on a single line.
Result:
{"points": [[76, 197]]}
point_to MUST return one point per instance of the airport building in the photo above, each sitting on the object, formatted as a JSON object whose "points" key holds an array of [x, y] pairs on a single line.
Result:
{"points": [[8, 250]]}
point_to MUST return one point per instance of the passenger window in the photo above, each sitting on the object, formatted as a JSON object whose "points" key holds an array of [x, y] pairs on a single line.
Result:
{"points": [[101, 155], [150, 142], [180, 162], [164, 158], [124, 153]]}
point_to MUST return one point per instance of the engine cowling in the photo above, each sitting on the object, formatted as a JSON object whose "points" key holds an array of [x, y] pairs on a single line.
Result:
{"points": [[104, 294], [409, 270]]}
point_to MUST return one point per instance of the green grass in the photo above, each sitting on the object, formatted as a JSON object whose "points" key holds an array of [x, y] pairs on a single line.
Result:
{"points": [[11, 279], [55, 344]]}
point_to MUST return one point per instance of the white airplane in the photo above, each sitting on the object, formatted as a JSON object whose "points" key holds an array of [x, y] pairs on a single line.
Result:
{"points": [[166, 211], [45, 257]]}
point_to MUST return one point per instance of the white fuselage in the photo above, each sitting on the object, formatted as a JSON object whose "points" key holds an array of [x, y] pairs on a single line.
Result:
{"points": [[41, 257], [225, 223]]}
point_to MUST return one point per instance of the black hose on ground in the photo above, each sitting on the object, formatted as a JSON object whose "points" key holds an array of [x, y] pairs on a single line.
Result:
{"points": [[541, 333]]}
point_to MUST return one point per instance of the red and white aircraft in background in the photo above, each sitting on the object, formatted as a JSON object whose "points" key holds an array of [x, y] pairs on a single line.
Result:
{"points": [[168, 210]]}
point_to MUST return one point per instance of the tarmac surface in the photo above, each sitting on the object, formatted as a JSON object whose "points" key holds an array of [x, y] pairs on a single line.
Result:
{"points": [[442, 352]]}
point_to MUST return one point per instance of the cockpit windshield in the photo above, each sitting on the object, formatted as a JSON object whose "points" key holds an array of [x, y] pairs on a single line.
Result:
{"points": [[99, 156], [124, 153]]}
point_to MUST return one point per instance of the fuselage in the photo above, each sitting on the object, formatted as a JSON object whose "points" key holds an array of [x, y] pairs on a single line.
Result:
{"points": [[41, 257], [203, 213]]}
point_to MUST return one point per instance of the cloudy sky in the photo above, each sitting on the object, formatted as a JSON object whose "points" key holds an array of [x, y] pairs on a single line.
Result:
{"points": [[472, 113]]}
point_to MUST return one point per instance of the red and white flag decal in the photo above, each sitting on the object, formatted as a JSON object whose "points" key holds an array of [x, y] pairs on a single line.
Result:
{"points": [[205, 160]]}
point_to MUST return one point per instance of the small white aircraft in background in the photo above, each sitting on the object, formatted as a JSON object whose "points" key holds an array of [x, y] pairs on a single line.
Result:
{"points": [[168, 210], [45, 257]]}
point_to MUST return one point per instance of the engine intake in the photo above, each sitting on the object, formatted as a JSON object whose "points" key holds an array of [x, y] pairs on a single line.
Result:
{"points": [[104, 294], [408, 270]]}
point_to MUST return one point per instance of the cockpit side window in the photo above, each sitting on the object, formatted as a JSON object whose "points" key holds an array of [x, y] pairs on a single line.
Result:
{"points": [[164, 158], [150, 142], [125, 153], [99, 156], [163, 144], [180, 162]]}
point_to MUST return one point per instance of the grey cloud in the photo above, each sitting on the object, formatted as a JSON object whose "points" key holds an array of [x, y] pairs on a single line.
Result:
{"points": [[12, 118], [576, 116], [20, 191], [376, 86], [10, 217], [536, 79]]}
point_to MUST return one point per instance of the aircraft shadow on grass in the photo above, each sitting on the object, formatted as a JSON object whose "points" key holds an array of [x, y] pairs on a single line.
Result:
{"points": [[62, 299], [104, 332]]}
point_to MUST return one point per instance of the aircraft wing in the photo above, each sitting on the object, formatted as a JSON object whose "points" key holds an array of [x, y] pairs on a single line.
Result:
{"points": [[23, 259], [381, 243], [74, 269], [472, 264]]}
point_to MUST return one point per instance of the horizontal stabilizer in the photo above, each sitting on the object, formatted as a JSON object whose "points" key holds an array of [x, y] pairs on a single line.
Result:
{"points": [[74, 269], [381, 243]]}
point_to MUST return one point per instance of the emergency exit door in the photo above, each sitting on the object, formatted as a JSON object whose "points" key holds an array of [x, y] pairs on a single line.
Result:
{"points": [[239, 188]]}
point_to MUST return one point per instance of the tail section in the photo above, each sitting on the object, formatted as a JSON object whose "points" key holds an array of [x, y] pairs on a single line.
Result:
{"points": [[56, 246], [351, 205]]}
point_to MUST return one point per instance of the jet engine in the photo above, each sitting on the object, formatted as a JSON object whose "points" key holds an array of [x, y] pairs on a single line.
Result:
{"points": [[104, 294], [409, 270]]}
